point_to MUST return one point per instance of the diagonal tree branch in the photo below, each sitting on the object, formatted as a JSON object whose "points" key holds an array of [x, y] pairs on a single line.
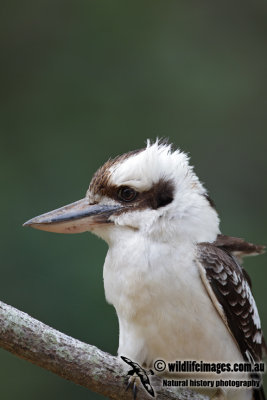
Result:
{"points": [[71, 359]]}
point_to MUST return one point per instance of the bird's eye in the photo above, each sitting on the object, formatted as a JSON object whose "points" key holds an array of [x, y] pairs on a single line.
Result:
{"points": [[126, 193]]}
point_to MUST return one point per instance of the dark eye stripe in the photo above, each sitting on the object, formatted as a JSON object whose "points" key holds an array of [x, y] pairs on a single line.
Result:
{"points": [[159, 195]]}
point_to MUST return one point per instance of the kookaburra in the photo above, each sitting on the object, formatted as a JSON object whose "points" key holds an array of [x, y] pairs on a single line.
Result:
{"points": [[176, 283]]}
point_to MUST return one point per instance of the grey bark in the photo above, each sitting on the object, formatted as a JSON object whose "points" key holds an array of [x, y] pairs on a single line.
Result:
{"points": [[73, 360]]}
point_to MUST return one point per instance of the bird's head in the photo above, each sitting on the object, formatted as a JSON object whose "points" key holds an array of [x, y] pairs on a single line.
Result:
{"points": [[153, 191]]}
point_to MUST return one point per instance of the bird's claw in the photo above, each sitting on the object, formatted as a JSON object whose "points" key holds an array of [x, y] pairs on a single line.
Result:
{"points": [[131, 382]]}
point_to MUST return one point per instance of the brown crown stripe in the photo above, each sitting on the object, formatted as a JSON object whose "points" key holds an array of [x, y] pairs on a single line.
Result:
{"points": [[100, 179]]}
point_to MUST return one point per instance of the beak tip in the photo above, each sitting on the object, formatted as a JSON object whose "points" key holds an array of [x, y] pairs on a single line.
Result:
{"points": [[30, 222]]}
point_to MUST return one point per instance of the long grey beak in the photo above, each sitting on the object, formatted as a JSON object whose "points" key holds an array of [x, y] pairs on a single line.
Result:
{"points": [[74, 218]]}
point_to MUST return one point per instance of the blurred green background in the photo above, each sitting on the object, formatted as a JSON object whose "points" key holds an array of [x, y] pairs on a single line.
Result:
{"points": [[82, 81]]}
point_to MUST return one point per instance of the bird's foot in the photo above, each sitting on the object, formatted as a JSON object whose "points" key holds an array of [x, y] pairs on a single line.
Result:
{"points": [[136, 376]]}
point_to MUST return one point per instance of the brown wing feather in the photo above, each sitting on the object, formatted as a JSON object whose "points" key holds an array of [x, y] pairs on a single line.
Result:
{"points": [[238, 246], [231, 288]]}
